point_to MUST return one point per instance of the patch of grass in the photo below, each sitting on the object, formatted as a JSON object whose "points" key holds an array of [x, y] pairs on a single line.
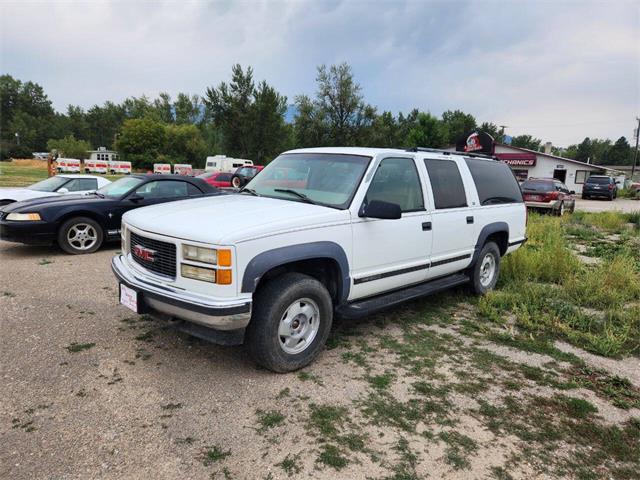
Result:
{"points": [[146, 336], [79, 347], [171, 406], [381, 382], [611, 221], [539, 345], [289, 465], [45, 261], [327, 419], [331, 456], [309, 377], [618, 390], [355, 357], [405, 469], [214, 454], [8, 294], [185, 441], [269, 419], [285, 392], [459, 447]]}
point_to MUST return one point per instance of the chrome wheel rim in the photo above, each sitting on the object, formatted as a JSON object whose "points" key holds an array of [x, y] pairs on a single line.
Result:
{"points": [[82, 236], [487, 269], [236, 182], [299, 326]]}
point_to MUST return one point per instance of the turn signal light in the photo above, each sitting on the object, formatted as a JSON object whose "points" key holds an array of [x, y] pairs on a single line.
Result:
{"points": [[223, 277], [224, 258]]}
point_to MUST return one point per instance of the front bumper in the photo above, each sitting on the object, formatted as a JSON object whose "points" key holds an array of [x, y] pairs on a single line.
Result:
{"points": [[29, 233], [224, 315]]}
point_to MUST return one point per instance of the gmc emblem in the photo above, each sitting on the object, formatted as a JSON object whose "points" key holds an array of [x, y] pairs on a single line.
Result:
{"points": [[144, 253]]}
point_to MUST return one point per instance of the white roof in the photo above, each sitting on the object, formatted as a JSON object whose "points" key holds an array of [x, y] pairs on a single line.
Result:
{"points": [[349, 150]]}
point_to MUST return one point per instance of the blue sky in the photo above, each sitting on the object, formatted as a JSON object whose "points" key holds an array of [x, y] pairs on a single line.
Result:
{"points": [[558, 70]]}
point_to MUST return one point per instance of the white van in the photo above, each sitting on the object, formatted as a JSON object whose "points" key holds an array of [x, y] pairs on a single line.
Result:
{"points": [[162, 168], [222, 163], [68, 165], [183, 169]]}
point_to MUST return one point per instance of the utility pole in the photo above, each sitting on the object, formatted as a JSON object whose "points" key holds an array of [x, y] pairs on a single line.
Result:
{"points": [[635, 155]]}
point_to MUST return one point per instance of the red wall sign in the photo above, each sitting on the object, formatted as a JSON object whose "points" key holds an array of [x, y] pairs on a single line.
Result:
{"points": [[518, 159]]}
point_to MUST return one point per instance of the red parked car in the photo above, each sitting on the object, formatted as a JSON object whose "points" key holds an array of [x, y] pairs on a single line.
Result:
{"points": [[243, 175], [548, 194], [217, 179]]}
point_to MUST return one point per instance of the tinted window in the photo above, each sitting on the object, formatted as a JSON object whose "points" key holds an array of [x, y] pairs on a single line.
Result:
{"points": [[396, 181], [537, 186], [81, 184], [163, 189], [193, 190], [446, 183], [51, 184], [598, 180], [494, 181]]}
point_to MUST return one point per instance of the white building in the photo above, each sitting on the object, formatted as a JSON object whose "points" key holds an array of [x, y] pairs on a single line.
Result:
{"points": [[529, 163], [103, 154]]}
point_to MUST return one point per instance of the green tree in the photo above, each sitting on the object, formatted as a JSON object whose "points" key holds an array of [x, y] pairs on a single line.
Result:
{"points": [[620, 153], [458, 124], [140, 141], [250, 120], [188, 109], [308, 125], [583, 152], [526, 141], [184, 144], [428, 132], [70, 147]]}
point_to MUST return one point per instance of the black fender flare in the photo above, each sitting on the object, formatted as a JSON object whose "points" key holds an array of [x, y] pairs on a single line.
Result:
{"points": [[495, 227], [265, 261]]}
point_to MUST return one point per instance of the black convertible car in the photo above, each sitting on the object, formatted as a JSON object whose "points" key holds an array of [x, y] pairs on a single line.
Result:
{"points": [[81, 223]]}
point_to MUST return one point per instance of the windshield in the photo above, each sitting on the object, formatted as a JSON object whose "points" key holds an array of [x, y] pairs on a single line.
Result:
{"points": [[119, 187], [325, 178], [51, 184], [598, 180]]}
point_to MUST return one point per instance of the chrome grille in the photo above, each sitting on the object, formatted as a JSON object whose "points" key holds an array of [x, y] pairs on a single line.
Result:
{"points": [[164, 256]]}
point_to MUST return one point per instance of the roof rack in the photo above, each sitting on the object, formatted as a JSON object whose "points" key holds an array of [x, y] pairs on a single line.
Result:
{"points": [[448, 152]]}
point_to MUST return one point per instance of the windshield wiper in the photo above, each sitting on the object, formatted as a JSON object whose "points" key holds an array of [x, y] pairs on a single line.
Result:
{"points": [[251, 191], [297, 194]]}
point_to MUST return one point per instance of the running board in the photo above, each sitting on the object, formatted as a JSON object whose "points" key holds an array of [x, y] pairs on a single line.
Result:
{"points": [[368, 306]]}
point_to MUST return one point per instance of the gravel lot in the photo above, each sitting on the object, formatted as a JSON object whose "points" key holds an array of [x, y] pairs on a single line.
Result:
{"points": [[620, 204], [90, 390]]}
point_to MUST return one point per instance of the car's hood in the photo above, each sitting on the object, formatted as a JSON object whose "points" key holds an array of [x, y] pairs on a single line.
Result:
{"points": [[19, 194], [227, 219], [35, 204]]}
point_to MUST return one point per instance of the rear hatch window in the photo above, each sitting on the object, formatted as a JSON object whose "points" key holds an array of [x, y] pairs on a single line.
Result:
{"points": [[598, 180], [537, 186]]}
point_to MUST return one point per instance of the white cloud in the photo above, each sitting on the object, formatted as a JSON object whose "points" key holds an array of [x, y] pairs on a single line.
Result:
{"points": [[557, 70]]}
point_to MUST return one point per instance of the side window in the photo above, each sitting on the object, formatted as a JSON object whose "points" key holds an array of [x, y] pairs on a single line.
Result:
{"points": [[88, 184], [446, 183], [163, 189], [494, 181], [193, 190], [396, 181], [73, 185]]}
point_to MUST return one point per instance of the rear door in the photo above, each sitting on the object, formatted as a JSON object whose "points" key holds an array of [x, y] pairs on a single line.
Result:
{"points": [[453, 220], [391, 254]]}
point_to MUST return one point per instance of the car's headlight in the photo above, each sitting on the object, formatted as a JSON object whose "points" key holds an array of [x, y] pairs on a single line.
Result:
{"points": [[212, 256], [24, 217]]}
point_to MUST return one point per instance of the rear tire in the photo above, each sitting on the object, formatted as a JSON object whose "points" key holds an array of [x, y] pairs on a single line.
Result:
{"points": [[236, 181], [291, 320], [485, 272], [80, 235], [560, 210]]}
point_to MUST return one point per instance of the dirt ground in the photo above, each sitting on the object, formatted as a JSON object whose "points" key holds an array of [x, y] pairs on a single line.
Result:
{"points": [[90, 390], [601, 205]]}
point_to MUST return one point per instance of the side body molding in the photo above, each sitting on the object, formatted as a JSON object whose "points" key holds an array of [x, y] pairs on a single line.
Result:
{"points": [[487, 230], [265, 261]]}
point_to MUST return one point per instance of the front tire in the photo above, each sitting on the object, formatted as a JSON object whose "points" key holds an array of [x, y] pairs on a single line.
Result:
{"points": [[80, 235], [291, 320], [484, 275]]}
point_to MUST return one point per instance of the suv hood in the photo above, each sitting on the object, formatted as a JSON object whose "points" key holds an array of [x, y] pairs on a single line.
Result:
{"points": [[228, 219]]}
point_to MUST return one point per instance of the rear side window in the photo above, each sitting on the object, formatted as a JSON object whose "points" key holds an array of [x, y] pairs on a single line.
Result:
{"points": [[446, 183], [494, 181]]}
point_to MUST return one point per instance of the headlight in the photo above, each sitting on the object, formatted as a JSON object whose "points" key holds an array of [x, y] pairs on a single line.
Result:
{"points": [[24, 217], [207, 255], [198, 273]]}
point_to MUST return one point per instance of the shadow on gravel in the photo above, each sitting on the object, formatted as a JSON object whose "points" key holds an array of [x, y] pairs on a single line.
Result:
{"points": [[19, 250]]}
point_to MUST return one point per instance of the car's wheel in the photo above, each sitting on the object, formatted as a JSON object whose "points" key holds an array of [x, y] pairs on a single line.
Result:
{"points": [[584, 197], [560, 210], [610, 197], [291, 320], [236, 181], [573, 207], [484, 275], [80, 235]]}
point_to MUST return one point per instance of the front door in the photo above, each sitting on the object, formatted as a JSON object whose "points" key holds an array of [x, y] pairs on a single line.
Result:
{"points": [[390, 254], [560, 175]]}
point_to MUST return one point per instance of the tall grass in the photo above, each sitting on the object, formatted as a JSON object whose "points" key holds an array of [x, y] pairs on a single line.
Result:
{"points": [[611, 221]]}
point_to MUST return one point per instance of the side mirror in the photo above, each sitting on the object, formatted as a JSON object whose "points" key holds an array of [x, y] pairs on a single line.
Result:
{"points": [[136, 198], [572, 192], [380, 209], [63, 190]]}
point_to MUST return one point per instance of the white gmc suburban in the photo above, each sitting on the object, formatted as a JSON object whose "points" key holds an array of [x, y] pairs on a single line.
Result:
{"points": [[320, 232]]}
